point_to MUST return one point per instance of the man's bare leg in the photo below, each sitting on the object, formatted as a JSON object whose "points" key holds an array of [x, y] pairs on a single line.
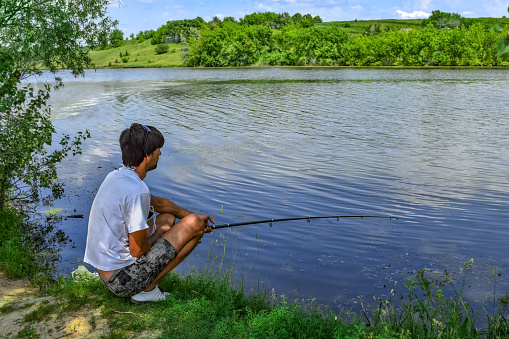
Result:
{"points": [[184, 236]]}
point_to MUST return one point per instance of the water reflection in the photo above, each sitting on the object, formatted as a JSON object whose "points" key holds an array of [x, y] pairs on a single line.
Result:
{"points": [[429, 146]]}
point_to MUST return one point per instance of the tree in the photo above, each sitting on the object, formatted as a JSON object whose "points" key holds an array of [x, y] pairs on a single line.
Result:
{"points": [[216, 22], [116, 38], [140, 37], [306, 23], [296, 18], [442, 20], [103, 40], [55, 34], [229, 19]]}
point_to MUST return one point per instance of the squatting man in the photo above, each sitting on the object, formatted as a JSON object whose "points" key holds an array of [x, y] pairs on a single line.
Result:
{"points": [[133, 240]]}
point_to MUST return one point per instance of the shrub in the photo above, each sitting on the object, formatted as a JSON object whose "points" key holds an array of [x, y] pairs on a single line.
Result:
{"points": [[162, 48]]}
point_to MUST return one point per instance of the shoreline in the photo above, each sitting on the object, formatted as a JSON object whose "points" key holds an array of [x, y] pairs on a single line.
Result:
{"points": [[307, 66]]}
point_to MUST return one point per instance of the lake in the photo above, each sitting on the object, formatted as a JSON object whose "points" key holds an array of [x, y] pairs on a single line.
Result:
{"points": [[429, 146]]}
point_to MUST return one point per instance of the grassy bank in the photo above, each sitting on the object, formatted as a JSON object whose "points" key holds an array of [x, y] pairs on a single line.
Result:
{"points": [[202, 306], [139, 55], [17, 258]]}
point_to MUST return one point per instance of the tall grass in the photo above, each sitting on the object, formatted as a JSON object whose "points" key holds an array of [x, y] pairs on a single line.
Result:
{"points": [[16, 253], [427, 312], [29, 247]]}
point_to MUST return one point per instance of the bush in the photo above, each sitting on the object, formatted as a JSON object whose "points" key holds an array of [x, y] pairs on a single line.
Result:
{"points": [[162, 48]]}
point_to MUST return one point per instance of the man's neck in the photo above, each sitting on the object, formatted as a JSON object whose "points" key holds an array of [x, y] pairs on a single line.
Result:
{"points": [[141, 171]]}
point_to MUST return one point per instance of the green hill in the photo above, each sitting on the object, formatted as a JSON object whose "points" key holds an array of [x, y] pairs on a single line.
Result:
{"points": [[139, 55]]}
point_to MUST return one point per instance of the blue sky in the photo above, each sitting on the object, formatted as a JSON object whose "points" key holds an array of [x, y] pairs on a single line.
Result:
{"points": [[137, 15]]}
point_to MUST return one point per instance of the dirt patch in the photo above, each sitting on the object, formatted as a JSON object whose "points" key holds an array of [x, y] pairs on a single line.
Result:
{"points": [[19, 299], [14, 289]]}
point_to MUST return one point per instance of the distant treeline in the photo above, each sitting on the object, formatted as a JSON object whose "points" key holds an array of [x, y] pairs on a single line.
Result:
{"points": [[445, 39], [178, 31]]}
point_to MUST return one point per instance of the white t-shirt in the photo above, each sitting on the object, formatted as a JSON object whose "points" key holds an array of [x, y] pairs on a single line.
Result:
{"points": [[120, 207]]}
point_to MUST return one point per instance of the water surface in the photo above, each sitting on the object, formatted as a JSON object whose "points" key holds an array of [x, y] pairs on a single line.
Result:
{"points": [[427, 146]]}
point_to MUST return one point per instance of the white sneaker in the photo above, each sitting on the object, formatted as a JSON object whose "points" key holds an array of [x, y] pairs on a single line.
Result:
{"points": [[144, 297]]}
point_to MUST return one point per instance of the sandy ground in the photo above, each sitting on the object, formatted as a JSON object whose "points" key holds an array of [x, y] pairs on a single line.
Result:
{"points": [[18, 298]]}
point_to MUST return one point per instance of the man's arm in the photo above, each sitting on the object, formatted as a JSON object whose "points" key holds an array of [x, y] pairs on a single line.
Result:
{"points": [[139, 243], [162, 205]]}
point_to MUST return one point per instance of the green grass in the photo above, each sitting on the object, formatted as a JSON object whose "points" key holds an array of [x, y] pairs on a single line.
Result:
{"points": [[198, 307], [141, 55], [16, 254]]}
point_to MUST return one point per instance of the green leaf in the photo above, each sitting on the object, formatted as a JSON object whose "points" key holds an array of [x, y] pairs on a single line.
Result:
{"points": [[502, 46], [496, 28]]}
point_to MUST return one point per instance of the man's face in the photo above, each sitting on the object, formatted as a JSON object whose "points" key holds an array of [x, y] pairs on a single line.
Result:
{"points": [[153, 159]]}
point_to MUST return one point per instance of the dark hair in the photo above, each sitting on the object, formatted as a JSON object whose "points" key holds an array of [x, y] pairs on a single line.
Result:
{"points": [[138, 141]]}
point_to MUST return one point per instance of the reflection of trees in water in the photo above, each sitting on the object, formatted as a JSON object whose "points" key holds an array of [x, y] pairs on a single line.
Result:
{"points": [[47, 239]]}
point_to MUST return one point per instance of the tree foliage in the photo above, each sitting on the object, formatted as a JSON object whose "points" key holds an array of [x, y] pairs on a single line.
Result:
{"points": [[231, 45], [162, 48], [178, 31], [503, 43], [55, 34], [116, 38], [51, 33], [442, 20], [253, 41]]}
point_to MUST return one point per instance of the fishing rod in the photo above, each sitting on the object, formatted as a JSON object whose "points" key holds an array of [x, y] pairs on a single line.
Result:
{"points": [[270, 221]]}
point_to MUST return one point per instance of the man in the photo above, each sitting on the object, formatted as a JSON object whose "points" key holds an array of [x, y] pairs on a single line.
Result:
{"points": [[130, 252]]}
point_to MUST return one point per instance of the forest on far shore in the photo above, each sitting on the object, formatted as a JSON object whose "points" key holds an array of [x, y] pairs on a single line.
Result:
{"points": [[444, 39]]}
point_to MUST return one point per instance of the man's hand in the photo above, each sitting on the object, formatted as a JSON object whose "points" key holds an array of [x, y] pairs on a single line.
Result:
{"points": [[206, 218]]}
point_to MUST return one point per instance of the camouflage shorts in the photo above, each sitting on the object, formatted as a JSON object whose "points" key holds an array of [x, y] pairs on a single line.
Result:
{"points": [[134, 278]]}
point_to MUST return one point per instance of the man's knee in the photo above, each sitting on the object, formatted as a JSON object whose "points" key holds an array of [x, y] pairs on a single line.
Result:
{"points": [[195, 223], [165, 219]]}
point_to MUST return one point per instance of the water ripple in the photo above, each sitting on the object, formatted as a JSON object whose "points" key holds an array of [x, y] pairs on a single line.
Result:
{"points": [[428, 146]]}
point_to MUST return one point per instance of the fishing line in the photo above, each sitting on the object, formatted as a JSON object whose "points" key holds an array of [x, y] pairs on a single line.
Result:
{"points": [[270, 221]]}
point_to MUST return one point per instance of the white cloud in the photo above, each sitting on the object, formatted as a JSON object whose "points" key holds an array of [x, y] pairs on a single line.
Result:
{"points": [[146, 1], [413, 15], [425, 4], [220, 16], [357, 8], [264, 7]]}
